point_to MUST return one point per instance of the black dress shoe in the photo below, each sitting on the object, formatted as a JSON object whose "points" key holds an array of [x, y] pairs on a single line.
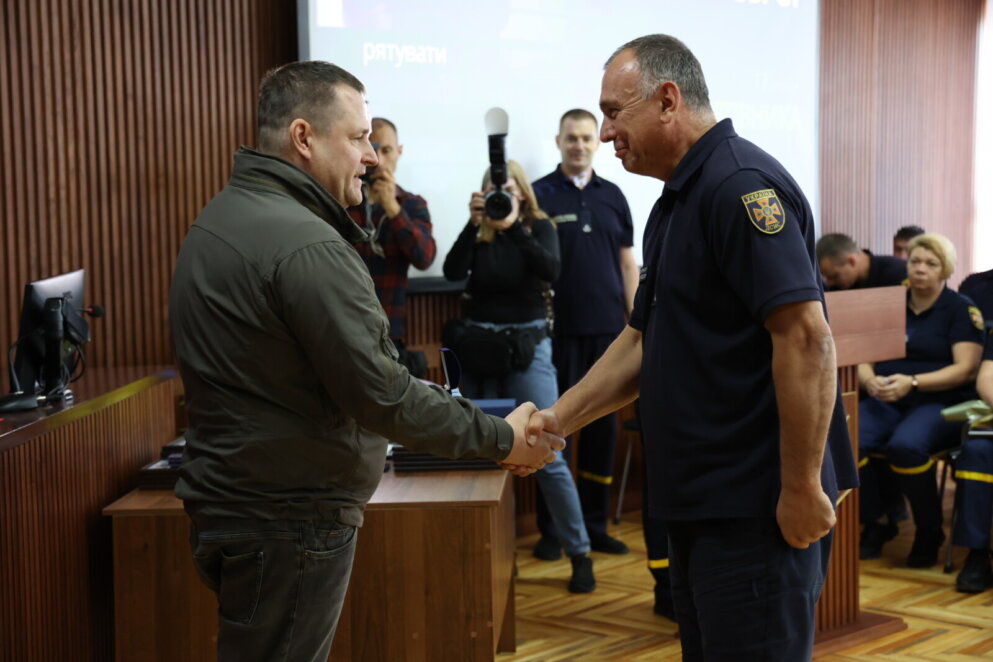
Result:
{"points": [[548, 549], [976, 575], [924, 551], [874, 536], [604, 543], [582, 580]]}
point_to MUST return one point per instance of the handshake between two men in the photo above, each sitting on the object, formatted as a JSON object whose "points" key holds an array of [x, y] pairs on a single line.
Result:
{"points": [[536, 438]]}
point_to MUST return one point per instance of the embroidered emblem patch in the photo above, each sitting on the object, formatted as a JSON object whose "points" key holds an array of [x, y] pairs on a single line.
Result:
{"points": [[765, 211], [977, 317]]}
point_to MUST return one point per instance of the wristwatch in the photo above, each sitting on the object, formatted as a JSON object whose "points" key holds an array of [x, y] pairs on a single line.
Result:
{"points": [[913, 382]]}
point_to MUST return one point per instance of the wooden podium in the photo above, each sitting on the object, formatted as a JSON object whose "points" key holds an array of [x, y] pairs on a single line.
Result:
{"points": [[868, 325]]}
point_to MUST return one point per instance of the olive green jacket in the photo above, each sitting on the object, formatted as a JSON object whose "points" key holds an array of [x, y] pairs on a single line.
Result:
{"points": [[291, 380]]}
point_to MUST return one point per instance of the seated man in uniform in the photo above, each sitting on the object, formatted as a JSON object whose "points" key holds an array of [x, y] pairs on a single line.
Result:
{"points": [[845, 267], [974, 491], [979, 288], [903, 237], [399, 228]]}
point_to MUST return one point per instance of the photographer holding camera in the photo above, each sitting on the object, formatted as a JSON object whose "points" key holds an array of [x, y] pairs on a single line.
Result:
{"points": [[510, 252], [398, 225]]}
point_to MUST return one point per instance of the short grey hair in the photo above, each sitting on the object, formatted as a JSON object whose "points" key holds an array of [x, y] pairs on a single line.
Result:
{"points": [[303, 90], [662, 58]]}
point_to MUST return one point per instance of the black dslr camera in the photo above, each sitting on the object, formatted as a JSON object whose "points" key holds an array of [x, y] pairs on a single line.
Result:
{"points": [[498, 204]]}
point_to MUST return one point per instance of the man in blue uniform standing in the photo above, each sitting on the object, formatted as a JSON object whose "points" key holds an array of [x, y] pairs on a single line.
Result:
{"points": [[593, 297], [730, 351]]}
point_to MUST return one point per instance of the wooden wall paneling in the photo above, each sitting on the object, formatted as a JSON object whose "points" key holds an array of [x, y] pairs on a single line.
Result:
{"points": [[120, 120], [897, 119], [7, 268]]}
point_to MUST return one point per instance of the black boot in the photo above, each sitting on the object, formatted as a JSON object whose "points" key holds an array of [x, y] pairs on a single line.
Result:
{"points": [[601, 542], [582, 575], [874, 536], [924, 551], [663, 594], [548, 549], [922, 493], [976, 575]]}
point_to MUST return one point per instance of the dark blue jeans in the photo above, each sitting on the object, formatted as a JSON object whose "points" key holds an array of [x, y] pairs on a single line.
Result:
{"points": [[279, 584], [741, 593]]}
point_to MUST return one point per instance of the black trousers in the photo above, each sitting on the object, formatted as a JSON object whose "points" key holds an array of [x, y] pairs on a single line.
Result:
{"points": [[741, 593], [656, 537], [280, 584], [573, 356]]}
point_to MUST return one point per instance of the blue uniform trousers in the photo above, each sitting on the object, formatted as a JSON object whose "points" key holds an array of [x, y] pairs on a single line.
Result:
{"points": [[656, 536], [741, 593], [907, 437], [574, 356], [974, 494]]}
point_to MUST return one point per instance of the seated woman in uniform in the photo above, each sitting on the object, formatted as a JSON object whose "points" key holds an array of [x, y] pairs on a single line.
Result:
{"points": [[901, 419], [974, 491], [509, 263]]}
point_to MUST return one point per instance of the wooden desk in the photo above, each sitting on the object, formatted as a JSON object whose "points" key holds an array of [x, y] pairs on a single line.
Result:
{"points": [[432, 580], [59, 466]]}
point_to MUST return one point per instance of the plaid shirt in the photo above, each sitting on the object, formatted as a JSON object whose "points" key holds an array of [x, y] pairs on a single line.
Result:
{"points": [[405, 240]]}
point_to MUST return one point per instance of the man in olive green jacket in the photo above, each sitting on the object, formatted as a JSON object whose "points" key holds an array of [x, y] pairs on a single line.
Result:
{"points": [[292, 383]]}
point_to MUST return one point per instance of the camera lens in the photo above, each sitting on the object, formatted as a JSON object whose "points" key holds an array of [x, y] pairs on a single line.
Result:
{"points": [[498, 205]]}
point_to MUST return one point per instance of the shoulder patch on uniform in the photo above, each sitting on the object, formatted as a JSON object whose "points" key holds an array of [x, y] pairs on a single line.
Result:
{"points": [[977, 317], [765, 211]]}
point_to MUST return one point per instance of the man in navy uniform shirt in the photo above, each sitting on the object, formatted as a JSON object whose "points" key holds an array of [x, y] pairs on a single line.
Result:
{"points": [[845, 267], [979, 288], [593, 298], [902, 237], [974, 492], [730, 351]]}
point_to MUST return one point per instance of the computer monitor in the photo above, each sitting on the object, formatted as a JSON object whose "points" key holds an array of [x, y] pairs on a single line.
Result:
{"points": [[52, 328]]}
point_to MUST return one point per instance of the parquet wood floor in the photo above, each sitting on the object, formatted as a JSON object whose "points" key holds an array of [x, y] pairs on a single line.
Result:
{"points": [[616, 621]]}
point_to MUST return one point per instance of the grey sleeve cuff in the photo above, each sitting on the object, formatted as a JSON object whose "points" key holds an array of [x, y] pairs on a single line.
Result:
{"points": [[504, 437]]}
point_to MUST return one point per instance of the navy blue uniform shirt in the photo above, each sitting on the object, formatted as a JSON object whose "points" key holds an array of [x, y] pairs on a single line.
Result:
{"points": [[979, 288], [884, 270], [930, 337], [730, 240], [593, 223]]}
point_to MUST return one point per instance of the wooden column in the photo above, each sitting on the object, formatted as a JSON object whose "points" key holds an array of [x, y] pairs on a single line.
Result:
{"points": [[868, 326]]}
